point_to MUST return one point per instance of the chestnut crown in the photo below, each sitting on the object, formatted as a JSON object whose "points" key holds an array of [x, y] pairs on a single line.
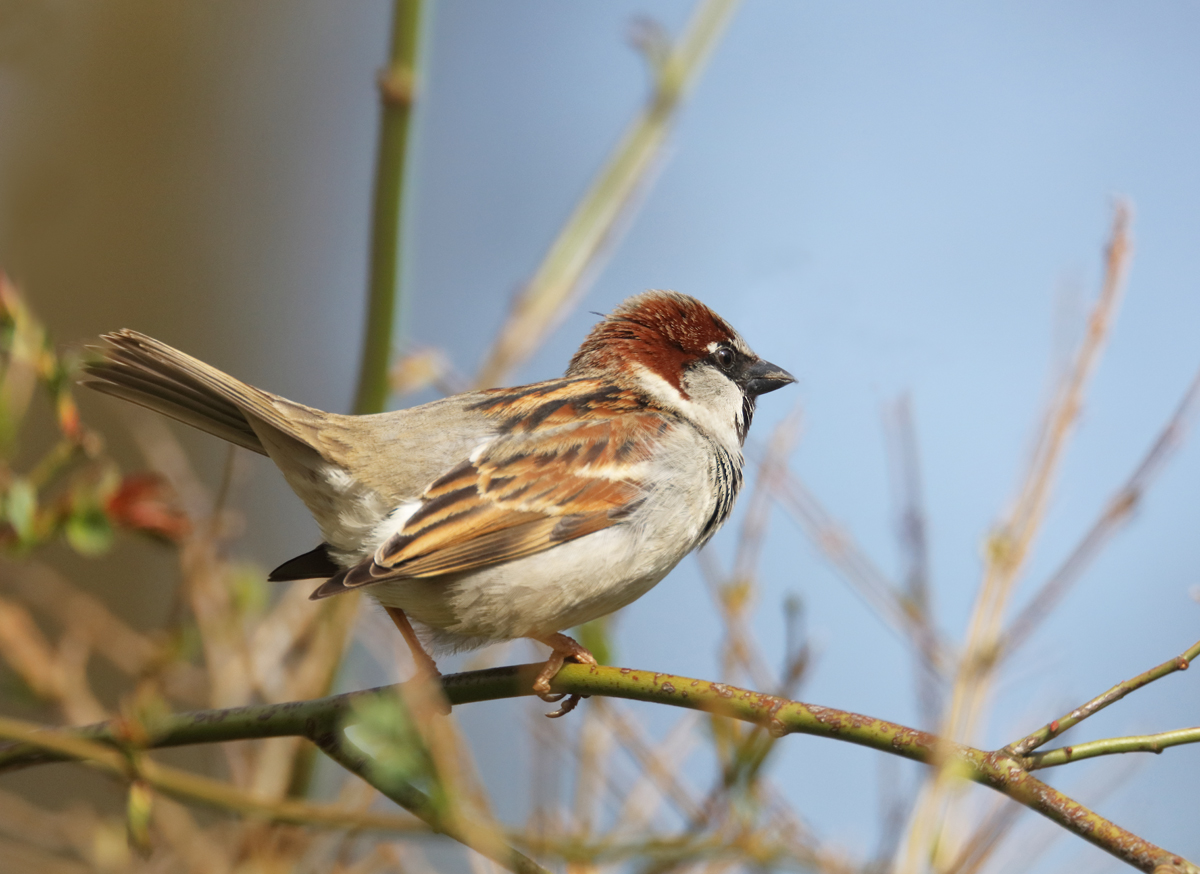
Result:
{"points": [[668, 333]]}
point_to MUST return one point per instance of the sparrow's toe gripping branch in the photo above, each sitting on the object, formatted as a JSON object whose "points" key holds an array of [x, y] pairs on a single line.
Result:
{"points": [[562, 648]]}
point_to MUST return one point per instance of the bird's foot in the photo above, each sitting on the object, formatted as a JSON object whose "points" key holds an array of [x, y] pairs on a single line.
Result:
{"points": [[563, 648]]}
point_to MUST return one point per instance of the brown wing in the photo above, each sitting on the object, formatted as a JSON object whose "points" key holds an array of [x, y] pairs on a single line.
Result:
{"points": [[523, 493]]}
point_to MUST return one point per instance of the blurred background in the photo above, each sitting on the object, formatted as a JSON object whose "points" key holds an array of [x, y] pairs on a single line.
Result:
{"points": [[884, 199]]}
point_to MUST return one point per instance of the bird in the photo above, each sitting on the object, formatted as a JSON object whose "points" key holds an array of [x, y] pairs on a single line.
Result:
{"points": [[500, 513]]}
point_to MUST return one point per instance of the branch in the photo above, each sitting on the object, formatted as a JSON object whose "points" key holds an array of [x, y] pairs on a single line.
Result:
{"points": [[589, 230], [1145, 743], [316, 720], [1116, 693], [1117, 512], [185, 786], [397, 89]]}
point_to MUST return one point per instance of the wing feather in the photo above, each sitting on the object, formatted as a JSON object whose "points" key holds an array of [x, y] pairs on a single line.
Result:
{"points": [[529, 490]]}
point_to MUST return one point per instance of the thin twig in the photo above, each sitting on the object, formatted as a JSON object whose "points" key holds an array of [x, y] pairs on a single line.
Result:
{"points": [[1053, 729], [1145, 743], [588, 232], [855, 567], [1119, 510], [912, 531]]}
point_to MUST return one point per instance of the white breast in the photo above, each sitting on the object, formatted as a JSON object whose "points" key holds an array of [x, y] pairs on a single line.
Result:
{"points": [[579, 580]]}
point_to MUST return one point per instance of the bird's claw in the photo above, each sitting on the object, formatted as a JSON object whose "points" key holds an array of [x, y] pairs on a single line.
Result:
{"points": [[567, 706], [563, 648]]}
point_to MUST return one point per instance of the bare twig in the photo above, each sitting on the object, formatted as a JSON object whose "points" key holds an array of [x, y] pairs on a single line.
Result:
{"points": [[1007, 551], [1145, 743], [855, 567], [1053, 729], [1119, 510], [912, 531], [588, 232]]}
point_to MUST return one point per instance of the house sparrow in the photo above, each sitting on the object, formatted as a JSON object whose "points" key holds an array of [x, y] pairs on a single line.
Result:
{"points": [[508, 512]]}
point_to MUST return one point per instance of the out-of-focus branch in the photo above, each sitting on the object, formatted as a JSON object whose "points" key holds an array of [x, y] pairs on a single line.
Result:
{"points": [[1053, 729], [1008, 548], [735, 592], [397, 91], [1118, 512], [589, 230], [483, 840], [320, 721], [67, 745], [912, 531], [856, 568]]}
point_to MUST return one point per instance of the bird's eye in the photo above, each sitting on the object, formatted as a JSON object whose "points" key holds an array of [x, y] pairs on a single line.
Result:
{"points": [[724, 357]]}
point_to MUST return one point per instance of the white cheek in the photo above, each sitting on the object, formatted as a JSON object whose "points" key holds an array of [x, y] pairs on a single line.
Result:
{"points": [[714, 405]]}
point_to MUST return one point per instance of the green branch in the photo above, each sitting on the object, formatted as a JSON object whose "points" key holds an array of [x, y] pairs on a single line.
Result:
{"points": [[1145, 743], [485, 841], [98, 751], [397, 89], [317, 719], [1053, 729]]}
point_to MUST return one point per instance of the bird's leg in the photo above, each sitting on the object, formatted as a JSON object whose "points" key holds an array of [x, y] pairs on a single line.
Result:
{"points": [[424, 661], [426, 666], [562, 648]]}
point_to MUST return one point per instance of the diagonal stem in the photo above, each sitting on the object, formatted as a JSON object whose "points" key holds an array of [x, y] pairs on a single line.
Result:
{"points": [[1056, 727], [589, 230]]}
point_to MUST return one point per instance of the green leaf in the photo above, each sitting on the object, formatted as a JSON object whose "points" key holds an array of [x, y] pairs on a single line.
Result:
{"points": [[138, 812], [383, 728], [89, 531], [20, 508]]}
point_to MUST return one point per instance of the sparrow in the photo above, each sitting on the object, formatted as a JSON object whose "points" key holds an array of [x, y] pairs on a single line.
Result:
{"points": [[508, 512]]}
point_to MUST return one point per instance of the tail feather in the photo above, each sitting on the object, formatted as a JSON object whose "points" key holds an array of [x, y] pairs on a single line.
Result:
{"points": [[241, 435], [140, 369]]}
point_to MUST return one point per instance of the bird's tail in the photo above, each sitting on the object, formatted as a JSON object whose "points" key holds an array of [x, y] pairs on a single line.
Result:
{"points": [[143, 370]]}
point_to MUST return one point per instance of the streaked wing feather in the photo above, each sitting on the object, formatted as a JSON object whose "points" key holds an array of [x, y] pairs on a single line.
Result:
{"points": [[524, 493]]}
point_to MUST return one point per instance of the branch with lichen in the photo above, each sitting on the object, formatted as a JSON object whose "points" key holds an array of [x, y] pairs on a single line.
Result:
{"points": [[323, 721]]}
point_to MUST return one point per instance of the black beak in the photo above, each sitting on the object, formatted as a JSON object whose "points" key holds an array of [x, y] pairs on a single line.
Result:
{"points": [[763, 376]]}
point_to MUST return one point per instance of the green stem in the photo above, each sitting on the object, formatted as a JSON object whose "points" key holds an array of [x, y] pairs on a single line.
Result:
{"points": [[1056, 727], [338, 747], [397, 88], [313, 719], [1145, 743]]}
